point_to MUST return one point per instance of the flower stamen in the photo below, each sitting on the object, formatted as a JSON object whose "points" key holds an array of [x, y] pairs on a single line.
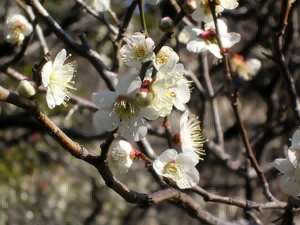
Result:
{"points": [[125, 107]]}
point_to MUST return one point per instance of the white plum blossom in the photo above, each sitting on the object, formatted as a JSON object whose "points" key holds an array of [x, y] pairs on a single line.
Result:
{"points": [[290, 179], [166, 59], [190, 136], [100, 5], [57, 77], [246, 69], [17, 28], [121, 155], [137, 50], [203, 12], [179, 168], [119, 109], [206, 40], [167, 90]]}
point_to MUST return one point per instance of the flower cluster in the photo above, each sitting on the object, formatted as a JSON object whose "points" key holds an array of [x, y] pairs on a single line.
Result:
{"points": [[201, 39], [136, 101], [290, 168], [148, 95]]}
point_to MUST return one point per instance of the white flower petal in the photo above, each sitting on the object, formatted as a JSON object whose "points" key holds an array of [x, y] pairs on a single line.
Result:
{"points": [[215, 50], [104, 121], [292, 157], [46, 72], [223, 29], [167, 156], [187, 34], [229, 4], [254, 66], [183, 94], [55, 96], [230, 39], [133, 129], [104, 99], [189, 179], [184, 119], [100, 5], [150, 113], [187, 158], [196, 46], [166, 59], [290, 185], [283, 165], [295, 140], [60, 59], [128, 84]]}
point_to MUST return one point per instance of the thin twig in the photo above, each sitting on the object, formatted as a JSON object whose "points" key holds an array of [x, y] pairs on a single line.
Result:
{"points": [[213, 101], [234, 103], [279, 57]]}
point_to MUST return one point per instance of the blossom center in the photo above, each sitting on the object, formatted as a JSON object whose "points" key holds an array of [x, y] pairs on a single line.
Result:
{"points": [[172, 94], [172, 168], [208, 36], [119, 156], [162, 58], [139, 51], [19, 28], [55, 79], [145, 86], [125, 107]]}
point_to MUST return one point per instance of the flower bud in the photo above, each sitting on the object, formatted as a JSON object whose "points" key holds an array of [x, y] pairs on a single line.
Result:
{"points": [[166, 24], [121, 156], [189, 6], [26, 89]]}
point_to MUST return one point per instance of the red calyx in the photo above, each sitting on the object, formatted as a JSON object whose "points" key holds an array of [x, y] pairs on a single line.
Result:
{"points": [[145, 85], [208, 34]]}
